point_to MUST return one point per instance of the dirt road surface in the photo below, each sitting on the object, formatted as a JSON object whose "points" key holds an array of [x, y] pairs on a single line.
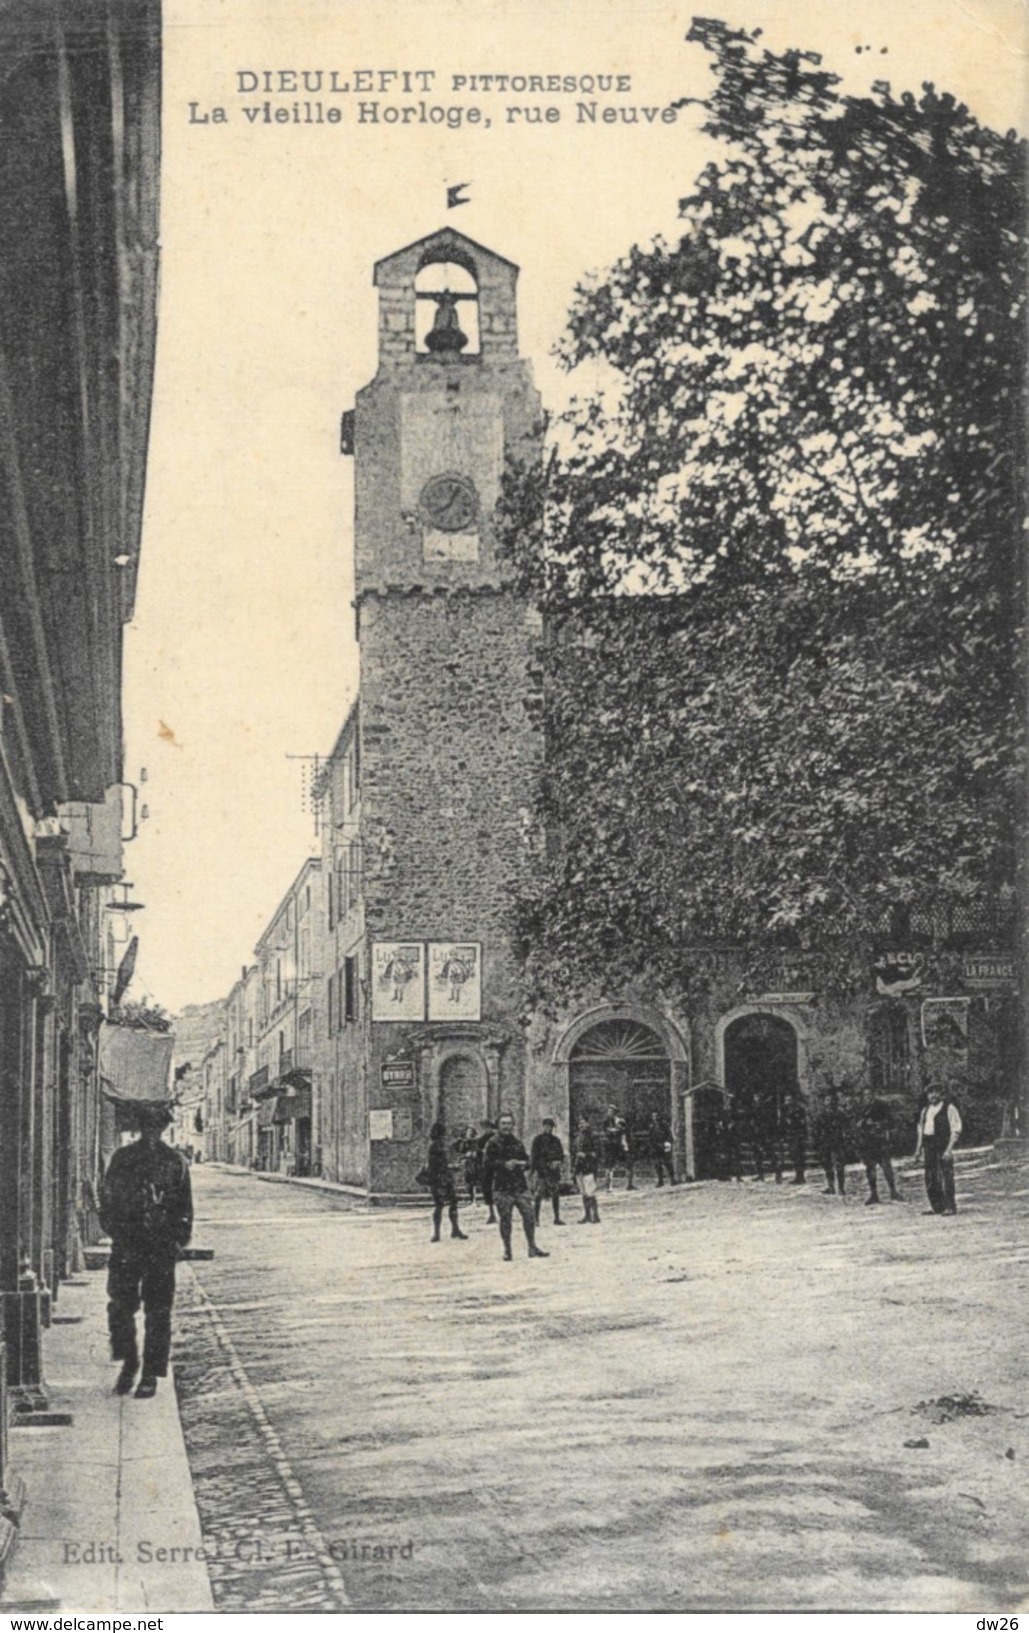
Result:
{"points": [[719, 1398]]}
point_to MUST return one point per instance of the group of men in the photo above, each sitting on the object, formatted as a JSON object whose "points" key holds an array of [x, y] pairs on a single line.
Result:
{"points": [[146, 1204], [498, 1168], [780, 1137]]}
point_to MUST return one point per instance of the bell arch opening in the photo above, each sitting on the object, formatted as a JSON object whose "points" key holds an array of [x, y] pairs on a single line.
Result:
{"points": [[446, 315]]}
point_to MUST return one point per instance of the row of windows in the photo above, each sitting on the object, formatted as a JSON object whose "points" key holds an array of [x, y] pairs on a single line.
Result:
{"points": [[342, 1006]]}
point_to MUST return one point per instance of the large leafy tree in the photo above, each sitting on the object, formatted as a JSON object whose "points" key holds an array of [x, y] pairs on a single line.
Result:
{"points": [[778, 542]]}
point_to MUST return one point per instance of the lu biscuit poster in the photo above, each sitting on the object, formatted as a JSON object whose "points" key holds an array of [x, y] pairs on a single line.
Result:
{"points": [[386, 231]]}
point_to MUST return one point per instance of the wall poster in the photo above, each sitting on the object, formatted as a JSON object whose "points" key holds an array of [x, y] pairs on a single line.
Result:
{"points": [[398, 981], [455, 981]]}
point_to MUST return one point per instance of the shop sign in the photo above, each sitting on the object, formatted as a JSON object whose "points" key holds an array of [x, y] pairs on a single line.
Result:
{"points": [[783, 998], [989, 970], [398, 1074], [898, 972]]}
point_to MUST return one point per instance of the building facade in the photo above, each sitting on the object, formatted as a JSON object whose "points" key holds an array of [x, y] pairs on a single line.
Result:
{"points": [[427, 808], [285, 999], [387, 992], [427, 798], [80, 113]]}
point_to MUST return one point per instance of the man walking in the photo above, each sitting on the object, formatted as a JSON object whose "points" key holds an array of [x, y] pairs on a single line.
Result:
{"points": [[146, 1207], [441, 1184], [545, 1162], [939, 1125], [506, 1162]]}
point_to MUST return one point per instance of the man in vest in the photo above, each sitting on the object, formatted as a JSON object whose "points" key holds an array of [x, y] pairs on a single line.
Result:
{"points": [[146, 1207], [939, 1125]]}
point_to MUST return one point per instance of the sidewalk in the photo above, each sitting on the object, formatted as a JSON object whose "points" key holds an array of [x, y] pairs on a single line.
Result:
{"points": [[109, 1523]]}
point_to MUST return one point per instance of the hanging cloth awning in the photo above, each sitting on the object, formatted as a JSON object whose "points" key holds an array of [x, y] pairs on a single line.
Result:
{"points": [[135, 1065], [291, 1108], [266, 1111]]}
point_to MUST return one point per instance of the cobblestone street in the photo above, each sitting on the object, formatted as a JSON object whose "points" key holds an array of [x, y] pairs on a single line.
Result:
{"points": [[724, 1397]]}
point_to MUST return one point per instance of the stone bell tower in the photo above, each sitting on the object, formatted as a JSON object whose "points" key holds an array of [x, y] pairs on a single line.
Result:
{"points": [[450, 738]]}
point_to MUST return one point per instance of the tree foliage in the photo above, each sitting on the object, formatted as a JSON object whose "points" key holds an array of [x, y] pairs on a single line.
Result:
{"points": [[778, 543]]}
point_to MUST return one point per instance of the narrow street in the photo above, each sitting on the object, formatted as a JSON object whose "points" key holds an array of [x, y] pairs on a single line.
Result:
{"points": [[702, 1404]]}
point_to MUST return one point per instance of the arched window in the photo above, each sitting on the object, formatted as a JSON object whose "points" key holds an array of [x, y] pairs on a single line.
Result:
{"points": [[446, 310], [462, 1094]]}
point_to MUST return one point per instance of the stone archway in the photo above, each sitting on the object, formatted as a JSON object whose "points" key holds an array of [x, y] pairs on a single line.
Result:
{"points": [[762, 1059], [776, 1012], [631, 1057]]}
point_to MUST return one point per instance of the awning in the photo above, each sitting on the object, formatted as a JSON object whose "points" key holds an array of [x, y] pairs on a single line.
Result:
{"points": [[290, 1108], [135, 1065], [266, 1112]]}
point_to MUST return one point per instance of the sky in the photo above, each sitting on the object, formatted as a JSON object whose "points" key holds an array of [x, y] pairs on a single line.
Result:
{"points": [[240, 656]]}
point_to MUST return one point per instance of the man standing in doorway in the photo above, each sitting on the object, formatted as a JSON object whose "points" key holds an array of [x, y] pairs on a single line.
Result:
{"points": [[661, 1148], [797, 1136], [146, 1207], [586, 1163], [939, 1125], [616, 1146], [506, 1162]]}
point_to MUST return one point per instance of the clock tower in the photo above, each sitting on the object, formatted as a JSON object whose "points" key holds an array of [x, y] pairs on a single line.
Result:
{"points": [[449, 724], [451, 401]]}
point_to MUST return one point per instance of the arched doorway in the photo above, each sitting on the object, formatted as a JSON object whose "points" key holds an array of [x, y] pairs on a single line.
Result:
{"points": [[625, 1064], [462, 1093], [761, 1075]]}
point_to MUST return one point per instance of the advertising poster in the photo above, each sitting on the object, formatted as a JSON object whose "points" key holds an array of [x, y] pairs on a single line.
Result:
{"points": [[455, 980], [398, 981]]}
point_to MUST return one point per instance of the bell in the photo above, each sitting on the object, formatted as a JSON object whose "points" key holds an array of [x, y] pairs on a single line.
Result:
{"points": [[446, 334]]}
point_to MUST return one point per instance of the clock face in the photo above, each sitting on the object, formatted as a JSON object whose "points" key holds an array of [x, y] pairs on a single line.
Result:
{"points": [[450, 503]]}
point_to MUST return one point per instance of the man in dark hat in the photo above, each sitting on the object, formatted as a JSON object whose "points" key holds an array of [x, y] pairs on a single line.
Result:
{"points": [[146, 1207], [545, 1161], [506, 1163]]}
